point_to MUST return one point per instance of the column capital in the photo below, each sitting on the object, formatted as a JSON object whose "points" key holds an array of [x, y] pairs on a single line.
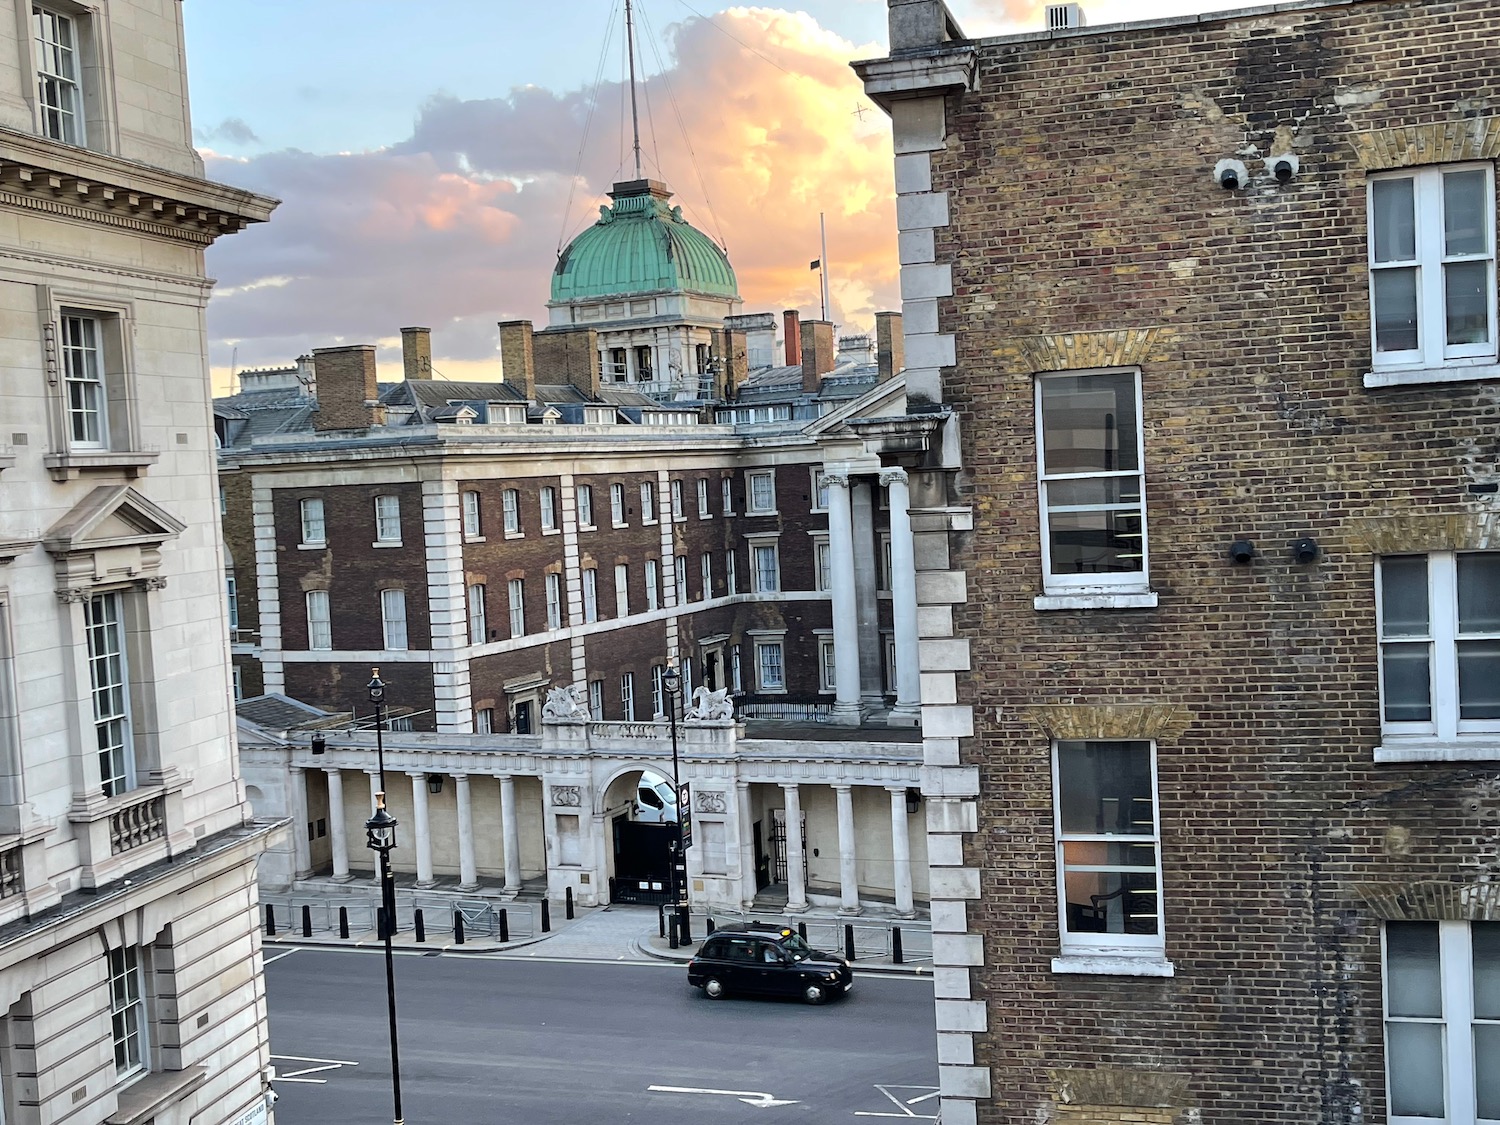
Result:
{"points": [[502, 778], [416, 775], [836, 476], [843, 786], [901, 789], [789, 784], [742, 786], [461, 778], [297, 769], [892, 476]]}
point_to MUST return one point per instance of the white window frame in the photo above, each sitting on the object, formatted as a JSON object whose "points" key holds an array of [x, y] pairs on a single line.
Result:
{"points": [[706, 575], [510, 506], [736, 670], [822, 559], [57, 54], [552, 587], [478, 624], [652, 571], [726, 495], [393, 620], [515, 590], [87, 388], [473, 524], [1457, 1022], [648, 501], [617, 514], [826, 674], [702, 489], [763, 685], [627, 695], [679, 510], [314, 525], [547, 500], [596, 700], [584, 498], [1125, 590], [764, 505], [106, 632], [759, 574], [658, 690], [819, 489], [232, 604], [679, 580], [319, 623], [484, 720], [731, 573], [622, 589], [590, 582], [1445, 736], [1126, 954], [883, 574], [129, 1014], [1433, 352], [387, 520]]}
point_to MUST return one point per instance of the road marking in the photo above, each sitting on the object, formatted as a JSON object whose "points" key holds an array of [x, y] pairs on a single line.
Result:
{"points": [[902, 1103], [749, 1097], [322, 1065], [279, 956]]}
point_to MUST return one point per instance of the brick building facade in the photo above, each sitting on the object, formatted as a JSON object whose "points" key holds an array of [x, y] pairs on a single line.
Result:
{"points": [[1211, 687]]}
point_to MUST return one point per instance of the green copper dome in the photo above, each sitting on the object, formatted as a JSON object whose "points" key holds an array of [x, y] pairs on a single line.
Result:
{"points": [[641, 245]]}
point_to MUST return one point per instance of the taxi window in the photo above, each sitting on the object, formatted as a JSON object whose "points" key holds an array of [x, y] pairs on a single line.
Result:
{"points": [[741, 949]]}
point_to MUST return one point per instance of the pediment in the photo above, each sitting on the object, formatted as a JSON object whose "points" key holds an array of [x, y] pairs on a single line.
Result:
{"points": [[884, 400], [113, 535]]}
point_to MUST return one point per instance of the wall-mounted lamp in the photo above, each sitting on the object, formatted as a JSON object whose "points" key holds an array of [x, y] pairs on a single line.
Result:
{"points": [[319, 743], [434, 783], [1241, 552], [1306, 550], [913, 800]]}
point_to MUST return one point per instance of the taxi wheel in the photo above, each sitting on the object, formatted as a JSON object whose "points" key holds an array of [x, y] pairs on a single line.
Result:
{"points": [[814, 994], [713, 988]]}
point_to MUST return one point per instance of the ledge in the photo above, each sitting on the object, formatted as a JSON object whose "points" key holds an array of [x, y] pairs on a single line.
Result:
{"points": [[947, 68], [1416, 376], [1476, 748], [71, 465], [144, 1099], [1048, 602], [1113, 965]]}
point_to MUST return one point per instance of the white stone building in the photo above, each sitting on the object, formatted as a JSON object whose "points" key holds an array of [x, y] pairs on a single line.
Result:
{"points": [[130, 980]]}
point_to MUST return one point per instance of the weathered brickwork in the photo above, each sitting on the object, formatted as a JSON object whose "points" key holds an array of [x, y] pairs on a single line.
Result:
{"points": [[1085, 228]]}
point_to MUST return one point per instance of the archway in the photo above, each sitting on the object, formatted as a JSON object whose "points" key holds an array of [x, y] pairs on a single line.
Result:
{"points": [[641, 817]]}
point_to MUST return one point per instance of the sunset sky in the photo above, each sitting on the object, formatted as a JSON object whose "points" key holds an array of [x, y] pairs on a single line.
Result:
{"points": [[431, 159]]}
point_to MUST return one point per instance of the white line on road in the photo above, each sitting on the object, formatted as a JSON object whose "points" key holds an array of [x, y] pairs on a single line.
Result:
{"points": [[904, 1106], [749, 1097], [321, 1065], [279, 956]]}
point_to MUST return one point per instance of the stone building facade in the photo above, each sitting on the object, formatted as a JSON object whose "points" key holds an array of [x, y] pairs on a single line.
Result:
{"points": [[130, 978], [1213, 308]]}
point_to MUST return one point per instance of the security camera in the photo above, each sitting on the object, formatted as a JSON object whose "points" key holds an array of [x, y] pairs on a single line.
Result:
{"points": [[1231, 175], [1283, 166]]}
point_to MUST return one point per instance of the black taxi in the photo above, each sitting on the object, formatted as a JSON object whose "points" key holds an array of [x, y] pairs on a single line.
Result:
{"points": [[768, 960]]}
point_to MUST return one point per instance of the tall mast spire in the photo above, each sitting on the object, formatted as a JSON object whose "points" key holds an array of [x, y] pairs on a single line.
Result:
{"points": [[635, 121]]}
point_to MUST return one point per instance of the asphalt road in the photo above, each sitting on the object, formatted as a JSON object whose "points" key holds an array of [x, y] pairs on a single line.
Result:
{"points": [[494, 1042]]}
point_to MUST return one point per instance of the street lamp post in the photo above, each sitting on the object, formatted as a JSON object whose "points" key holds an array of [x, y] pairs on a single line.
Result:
{"points": [[380, 834], [672, 684]]}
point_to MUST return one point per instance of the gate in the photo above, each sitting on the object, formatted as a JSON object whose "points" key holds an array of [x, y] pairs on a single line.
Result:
{"points": [[643, 862], [778, 844]]}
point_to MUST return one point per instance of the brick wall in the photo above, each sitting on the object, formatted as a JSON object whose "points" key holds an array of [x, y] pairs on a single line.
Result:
{"points": [[1085, 224]]}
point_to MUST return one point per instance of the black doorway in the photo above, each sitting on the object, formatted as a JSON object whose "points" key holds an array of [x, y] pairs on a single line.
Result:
{"points": [[643, 862]]}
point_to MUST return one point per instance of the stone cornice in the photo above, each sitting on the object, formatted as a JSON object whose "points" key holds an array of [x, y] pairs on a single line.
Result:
{"points": [[37, 174], [946, 70]]}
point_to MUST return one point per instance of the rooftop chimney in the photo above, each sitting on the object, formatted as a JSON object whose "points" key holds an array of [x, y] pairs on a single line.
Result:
{"points": [[731, 361], [890, 345], [568, 355], [348, 394], [517, 364], [817, 353], [793, 337], [416, 353]]}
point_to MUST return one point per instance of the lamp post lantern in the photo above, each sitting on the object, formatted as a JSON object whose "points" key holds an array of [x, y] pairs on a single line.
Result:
{"points": [[380, 837], [672, 685]]}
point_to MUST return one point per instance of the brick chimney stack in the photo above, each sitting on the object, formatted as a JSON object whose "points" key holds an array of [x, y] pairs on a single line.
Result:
{"points": [[348, 393], [517, 360], [817, 353], [792, 325], [568, 355], [416, 353], [890, 345], [731, 362]]}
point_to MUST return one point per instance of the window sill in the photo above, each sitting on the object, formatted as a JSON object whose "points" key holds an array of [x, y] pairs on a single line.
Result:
{"points": [[515, 535], [146, 1097], [587, 527], [1415, 376], [1145, 600], [1113, 965], [385, 544], [475, 539], [618, 526], [1474, 748], [766, 512], [313, 546], [551, 531], [74, 463]]}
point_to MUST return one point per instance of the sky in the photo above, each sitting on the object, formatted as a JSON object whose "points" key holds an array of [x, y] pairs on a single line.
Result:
{"points": [[433, 159]]}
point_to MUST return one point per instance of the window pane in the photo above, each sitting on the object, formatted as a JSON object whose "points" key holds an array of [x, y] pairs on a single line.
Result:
{"points": [[1094, 542], [1465, 222], [1486, 1073], [1413, 970], [1479, 679], [1394, 220], [1486, 973], [1088, 423], [1109, 902], [1105, 787], [1403, 596], [1407, 683], [1414, 1056], [1466, 299], [1479, 593], [1094, 492], [1396, 310]]}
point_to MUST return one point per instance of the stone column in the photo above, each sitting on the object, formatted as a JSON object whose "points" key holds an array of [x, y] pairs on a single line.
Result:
{"points": [[848, 865], [301, 849], [336, 829], [908, 709], [747, 843], [846, 709], [421, 831], [796, 872], [510, 835], [468, 873], [866, 596], [901, 851]]}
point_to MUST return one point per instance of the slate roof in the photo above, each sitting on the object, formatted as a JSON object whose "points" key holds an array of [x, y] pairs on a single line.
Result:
{"points": [[277, 712]]}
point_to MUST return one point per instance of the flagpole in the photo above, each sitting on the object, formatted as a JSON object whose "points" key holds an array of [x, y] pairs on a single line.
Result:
{"points": [[823, 272]]}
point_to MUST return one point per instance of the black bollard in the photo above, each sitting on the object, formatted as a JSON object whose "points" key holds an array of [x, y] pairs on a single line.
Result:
{"points": [[458, 928], [270, 920], [504, 925], [897, 954], [661, 919], [307, 921], [569, 903], [343, 921], [672, 942], [420, 923], [848, 942], [802, 930], [546, 917], [708, 927]]}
